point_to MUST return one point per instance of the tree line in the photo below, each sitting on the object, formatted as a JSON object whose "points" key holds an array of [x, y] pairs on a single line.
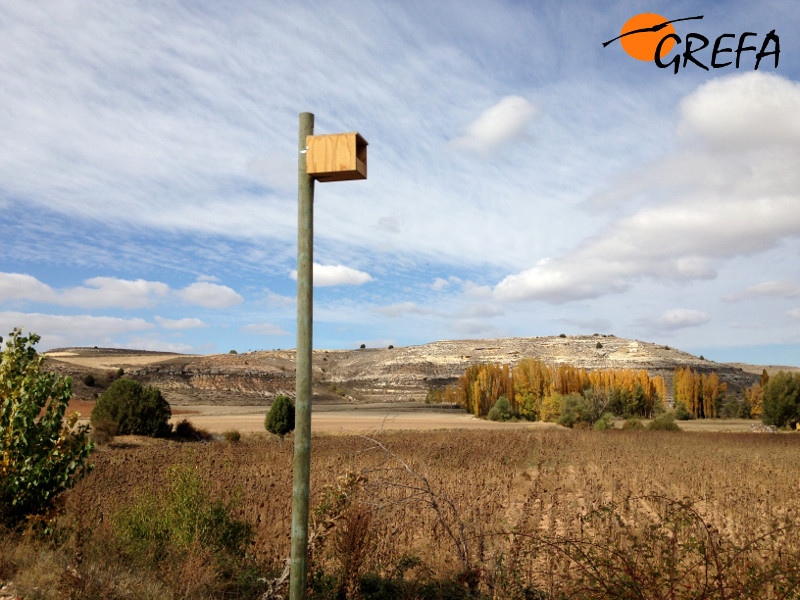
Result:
{"points": [[532, 385]]}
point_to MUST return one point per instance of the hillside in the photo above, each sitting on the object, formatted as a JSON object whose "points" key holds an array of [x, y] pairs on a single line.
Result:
{"points": [[367, 375]]}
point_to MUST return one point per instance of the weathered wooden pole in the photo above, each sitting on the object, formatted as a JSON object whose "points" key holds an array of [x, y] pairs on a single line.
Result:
{"points": [[302, 422]]}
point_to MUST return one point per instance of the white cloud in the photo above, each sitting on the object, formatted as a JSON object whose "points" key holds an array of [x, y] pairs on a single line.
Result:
{"points": [[20, 286], [794, 313], [70, 330], [179, 324], [328, 275], [264, 329], [107, 292], [210, 295], [704, 205], [504, 122], [743, 112], [439, 284], [772, 289], [678, 318]]}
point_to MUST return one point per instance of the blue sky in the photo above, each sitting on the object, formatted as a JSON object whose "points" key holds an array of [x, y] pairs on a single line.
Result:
{"points": [[523, 179]]}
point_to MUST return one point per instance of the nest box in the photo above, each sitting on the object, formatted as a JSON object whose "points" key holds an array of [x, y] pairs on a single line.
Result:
{"points": [[336, 156]]}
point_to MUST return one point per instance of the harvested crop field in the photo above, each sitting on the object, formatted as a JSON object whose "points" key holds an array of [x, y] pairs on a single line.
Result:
{"points": [[494, 499]]}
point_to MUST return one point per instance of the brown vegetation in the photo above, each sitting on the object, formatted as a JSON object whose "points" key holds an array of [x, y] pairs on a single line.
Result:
{"points": [[507, 510]]}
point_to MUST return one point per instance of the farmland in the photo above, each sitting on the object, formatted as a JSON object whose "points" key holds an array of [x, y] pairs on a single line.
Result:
{"points": [[501, 502]]}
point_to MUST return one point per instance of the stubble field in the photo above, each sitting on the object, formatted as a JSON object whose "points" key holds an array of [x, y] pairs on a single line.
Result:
{"points": [[514, 507]]}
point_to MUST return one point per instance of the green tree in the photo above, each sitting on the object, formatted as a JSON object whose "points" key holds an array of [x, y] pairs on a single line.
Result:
{"points": [[40, 456], [781, 403], [280, 418], [501, 411], [136, 409]]}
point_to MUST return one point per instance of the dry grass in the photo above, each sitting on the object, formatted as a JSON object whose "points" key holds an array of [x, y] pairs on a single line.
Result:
{"points": [[502, 501]]}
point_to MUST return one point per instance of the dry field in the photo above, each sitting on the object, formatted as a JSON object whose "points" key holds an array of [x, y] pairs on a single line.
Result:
{"points": [[493, 499]]}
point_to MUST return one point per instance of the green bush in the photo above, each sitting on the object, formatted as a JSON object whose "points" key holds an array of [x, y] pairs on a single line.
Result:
{"points": [[40, 456], [681, 412], [781, 403], [665, 422], [501, 411], [575, 409], [136, 410], [88, 380], [604, 422], [280, 418], [165, 530]]}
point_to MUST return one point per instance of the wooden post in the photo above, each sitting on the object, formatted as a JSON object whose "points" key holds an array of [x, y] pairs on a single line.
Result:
{"points": [[298, 578]]}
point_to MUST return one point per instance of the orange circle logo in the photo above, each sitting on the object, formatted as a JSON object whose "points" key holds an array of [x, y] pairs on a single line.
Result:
{"points": [[641, 34]]}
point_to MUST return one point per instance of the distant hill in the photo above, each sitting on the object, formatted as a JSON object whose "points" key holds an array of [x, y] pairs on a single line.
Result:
{"points": [[370, 375]]}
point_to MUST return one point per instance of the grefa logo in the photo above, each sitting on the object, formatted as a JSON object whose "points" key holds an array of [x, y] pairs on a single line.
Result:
{"points": [[650, 37]]}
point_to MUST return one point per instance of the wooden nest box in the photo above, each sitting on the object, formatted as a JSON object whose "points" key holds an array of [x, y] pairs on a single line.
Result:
{"points": [[336, 156]]}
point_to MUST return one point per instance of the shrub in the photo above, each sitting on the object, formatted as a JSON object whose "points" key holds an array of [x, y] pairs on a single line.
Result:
{"points": [[232, 435], [363, 346], [598, 345], [103, 430], [185, 431], [665, 422], [781, 403], [681, 412], [574, 409], [88, 380], [633, 424], [233, 352], [280, 418], [135, 409], [39, 456], [120, 372], [562, 335], [169, 531], [604, 422], [501, 411]]}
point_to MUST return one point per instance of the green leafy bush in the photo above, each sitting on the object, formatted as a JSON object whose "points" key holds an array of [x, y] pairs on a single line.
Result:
{"points": [[136, 409], [169, 530], [681, 412], [501, 411], [781, 404], [88, 380], [40, 456], [604, 422], [280, 418]]}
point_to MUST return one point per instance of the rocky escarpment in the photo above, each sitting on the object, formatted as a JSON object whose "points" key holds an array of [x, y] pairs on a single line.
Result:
{"points": [[407, 373], [375, 375]]}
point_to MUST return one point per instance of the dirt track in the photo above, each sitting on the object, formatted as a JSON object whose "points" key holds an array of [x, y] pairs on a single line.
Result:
{"points": [[248, 419]]}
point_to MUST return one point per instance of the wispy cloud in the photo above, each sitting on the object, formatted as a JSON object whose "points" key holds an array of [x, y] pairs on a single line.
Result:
{"points": [[771, 289], [504, 122]]}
